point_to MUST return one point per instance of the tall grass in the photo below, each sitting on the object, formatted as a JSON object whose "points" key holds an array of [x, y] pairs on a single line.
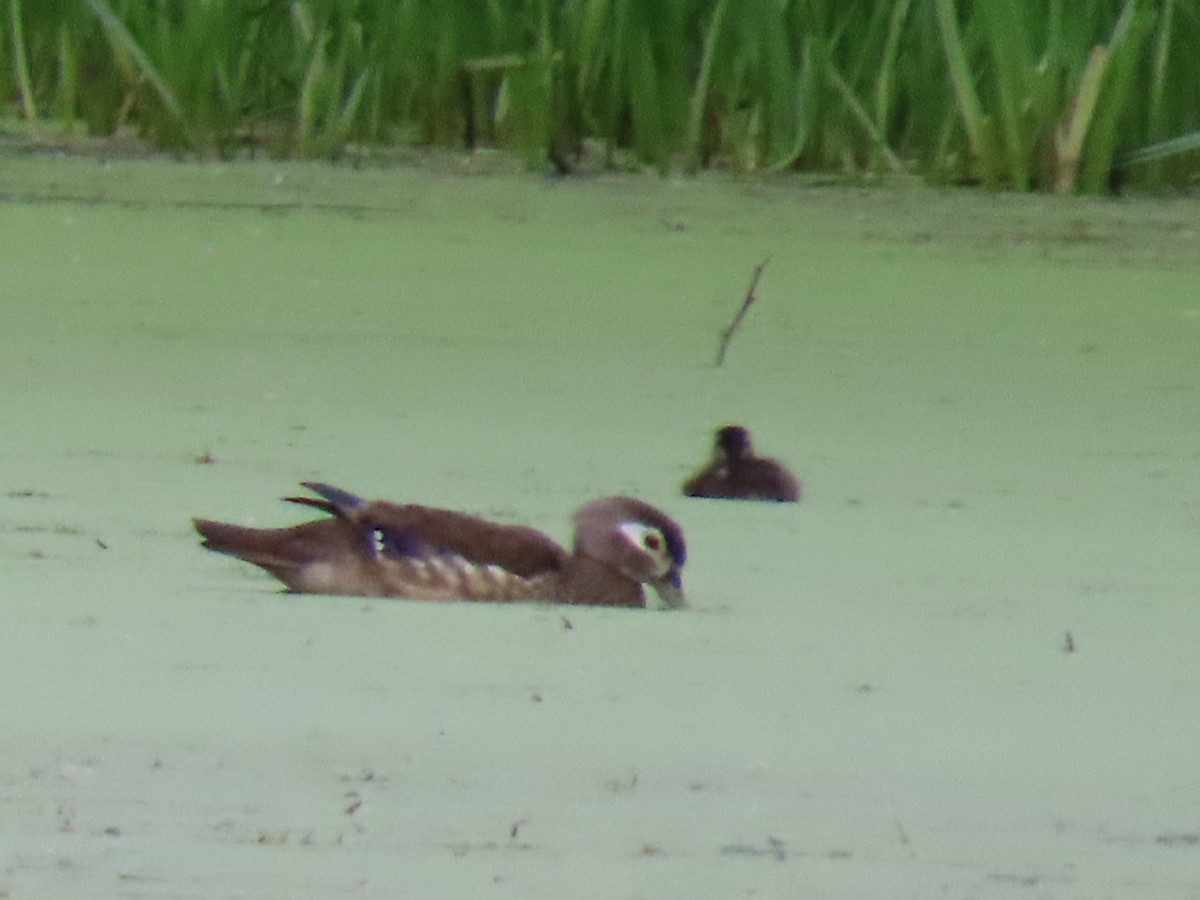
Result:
{"points": [[1062, 95]]}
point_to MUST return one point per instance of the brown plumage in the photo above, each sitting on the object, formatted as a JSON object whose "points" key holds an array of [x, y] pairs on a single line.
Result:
{"points": [[735, 473], [379, 549]]}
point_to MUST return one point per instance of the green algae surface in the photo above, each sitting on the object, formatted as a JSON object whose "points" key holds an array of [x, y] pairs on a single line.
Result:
{"points": [[963, 666]]}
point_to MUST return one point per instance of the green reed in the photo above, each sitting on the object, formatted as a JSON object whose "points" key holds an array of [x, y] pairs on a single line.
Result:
{"points": [[1065, 95]]}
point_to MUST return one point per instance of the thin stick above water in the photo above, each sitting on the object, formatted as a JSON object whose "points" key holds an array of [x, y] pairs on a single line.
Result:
{"points": [[751, 296]]}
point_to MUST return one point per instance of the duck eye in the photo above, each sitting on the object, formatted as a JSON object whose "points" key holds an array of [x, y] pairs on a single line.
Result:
{"points": [[643, 538]]}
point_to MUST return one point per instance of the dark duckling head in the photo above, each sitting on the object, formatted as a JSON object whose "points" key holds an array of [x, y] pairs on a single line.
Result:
{"points": [[733, 441]]}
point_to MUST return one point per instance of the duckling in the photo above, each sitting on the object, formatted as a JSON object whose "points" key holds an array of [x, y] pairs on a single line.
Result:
{"points": [[735, 473]]}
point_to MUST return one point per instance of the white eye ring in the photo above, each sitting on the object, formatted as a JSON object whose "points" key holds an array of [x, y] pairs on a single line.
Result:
{"points": [[643, 537]]}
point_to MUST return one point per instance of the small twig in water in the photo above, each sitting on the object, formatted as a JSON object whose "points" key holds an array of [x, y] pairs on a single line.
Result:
{"points": [[751, 296]]}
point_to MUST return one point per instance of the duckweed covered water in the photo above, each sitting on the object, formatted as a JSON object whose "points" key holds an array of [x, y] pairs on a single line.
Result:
{"points": [[992, 401]]}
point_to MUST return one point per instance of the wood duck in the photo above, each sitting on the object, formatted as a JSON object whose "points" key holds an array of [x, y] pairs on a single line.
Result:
{"points": [[379, 549], [735, 473]]}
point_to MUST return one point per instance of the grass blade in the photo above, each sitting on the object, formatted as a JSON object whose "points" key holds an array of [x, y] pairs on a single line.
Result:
{"points": [[121, 39]]}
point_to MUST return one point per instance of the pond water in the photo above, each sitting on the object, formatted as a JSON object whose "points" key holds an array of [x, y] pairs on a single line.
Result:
{"points": [[963, 666]]}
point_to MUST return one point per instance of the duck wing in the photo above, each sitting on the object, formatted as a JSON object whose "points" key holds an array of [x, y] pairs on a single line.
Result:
{"points": [[380, 549]]}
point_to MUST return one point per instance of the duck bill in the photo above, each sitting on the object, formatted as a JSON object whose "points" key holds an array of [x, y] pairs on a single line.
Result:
{"points": [[670, 590]]}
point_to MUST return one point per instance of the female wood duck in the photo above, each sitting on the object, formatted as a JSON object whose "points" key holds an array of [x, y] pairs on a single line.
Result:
{"points": [[735, 473], [379, 549]]}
